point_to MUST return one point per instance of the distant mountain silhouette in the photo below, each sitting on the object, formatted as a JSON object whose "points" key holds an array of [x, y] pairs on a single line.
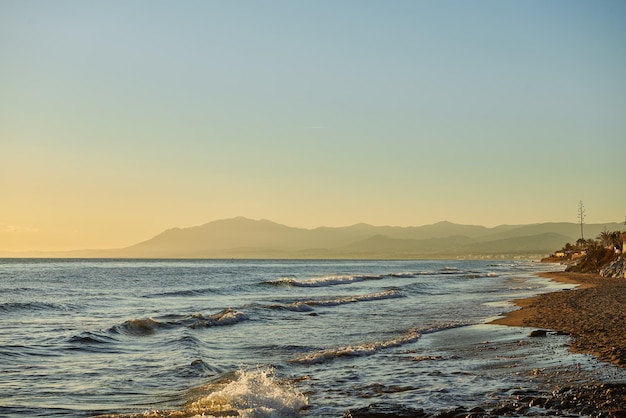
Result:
{"points": [[247, 238]]}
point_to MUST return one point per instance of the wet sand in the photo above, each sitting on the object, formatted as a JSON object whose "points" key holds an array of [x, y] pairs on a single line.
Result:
{"points": [[593, 314]]}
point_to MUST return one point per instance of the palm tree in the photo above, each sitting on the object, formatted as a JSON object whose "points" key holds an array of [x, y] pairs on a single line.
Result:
{"points": [[606, 238], [617, 240]]}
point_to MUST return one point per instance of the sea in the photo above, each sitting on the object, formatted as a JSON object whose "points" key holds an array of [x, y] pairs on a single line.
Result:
{"points": [[267, 338]]}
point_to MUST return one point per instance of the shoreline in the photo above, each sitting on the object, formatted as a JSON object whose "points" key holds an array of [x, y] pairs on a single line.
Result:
{"points": [[593, 314]]}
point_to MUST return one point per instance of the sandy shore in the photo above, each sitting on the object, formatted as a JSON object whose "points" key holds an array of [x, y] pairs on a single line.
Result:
{"points": [[593, 314]]}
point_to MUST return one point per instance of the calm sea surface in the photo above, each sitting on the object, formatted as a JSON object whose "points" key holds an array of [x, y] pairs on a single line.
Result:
{"points": [[259, 338]]}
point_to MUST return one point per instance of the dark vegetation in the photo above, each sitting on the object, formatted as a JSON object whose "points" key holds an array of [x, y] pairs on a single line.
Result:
{"points": [[590, 256]]}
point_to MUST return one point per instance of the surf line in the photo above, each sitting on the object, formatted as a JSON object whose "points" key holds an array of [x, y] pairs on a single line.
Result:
{"points": [[357, 350]]}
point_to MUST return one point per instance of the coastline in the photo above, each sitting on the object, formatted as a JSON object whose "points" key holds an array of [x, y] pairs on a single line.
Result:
{"points": [[593, 314]]}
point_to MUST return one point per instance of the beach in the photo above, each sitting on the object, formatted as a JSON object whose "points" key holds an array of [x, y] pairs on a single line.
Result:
{"points": [[593, 314]]}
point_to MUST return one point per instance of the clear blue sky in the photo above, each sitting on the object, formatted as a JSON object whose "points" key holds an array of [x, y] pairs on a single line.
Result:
{"points": [[119, 119]]}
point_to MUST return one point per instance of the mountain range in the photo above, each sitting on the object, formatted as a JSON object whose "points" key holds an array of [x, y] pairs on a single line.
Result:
{"points": [[246, 238]]}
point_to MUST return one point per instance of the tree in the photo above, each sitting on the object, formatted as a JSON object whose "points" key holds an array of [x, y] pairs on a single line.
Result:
{"points": [[581, 217], [606, 238], [617, 240]]}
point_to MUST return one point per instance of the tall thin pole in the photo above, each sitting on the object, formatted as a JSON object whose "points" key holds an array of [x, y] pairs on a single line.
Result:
{"points": [[581, 217]]}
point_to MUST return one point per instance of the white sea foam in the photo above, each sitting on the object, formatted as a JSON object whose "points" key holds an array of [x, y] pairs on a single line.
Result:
{"points": [[404, 275], [228, 316], [252, 394], [388, 294], [325, 280], [306, 306], [365, 349], [247, 394]]}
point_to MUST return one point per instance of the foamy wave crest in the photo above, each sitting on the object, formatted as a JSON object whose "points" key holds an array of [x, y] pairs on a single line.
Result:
{"points": [[479, 275], [389, 294], [253, 394], [293, 307], [406, 275], [324, 281], [247, 394], [147, 326], [306, 306], [357, 350], [228, 316]]}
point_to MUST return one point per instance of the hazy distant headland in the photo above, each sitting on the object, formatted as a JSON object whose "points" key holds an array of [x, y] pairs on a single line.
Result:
{"points": [[246, 238]]}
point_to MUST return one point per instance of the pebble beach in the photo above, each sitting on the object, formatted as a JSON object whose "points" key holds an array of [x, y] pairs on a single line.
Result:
{"points": [[594, 314]]}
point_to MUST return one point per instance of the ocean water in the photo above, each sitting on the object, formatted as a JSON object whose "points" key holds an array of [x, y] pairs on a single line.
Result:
{"points": [[262, 338]]}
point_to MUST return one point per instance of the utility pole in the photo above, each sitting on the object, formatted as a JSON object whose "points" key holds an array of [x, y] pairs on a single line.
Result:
{"points": [[581, 218]]}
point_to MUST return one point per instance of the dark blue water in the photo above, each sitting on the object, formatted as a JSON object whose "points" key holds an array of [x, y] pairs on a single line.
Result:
{"points": [[256, 338]]}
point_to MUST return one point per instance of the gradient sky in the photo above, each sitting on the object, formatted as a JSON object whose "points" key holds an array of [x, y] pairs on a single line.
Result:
{"points": [[119, 119]]}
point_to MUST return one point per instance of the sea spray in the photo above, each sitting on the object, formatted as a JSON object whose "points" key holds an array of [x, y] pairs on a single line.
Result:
{"points": [[253, 394], [249, 394]]}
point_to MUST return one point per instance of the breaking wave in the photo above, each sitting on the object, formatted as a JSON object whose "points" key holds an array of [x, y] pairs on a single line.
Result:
{"points": [[253, 394], [226, 317], [479, 275], [306, 306], [324, 281], [138, 327], [247, 394], [147, 326], [361, 350], [389, 294]]}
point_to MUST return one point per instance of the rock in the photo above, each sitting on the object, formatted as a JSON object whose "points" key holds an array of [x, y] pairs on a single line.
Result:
{"points": [[538, 333], [615, 269], [459, 411], [503, 410], [537, 402], [383, 410]]}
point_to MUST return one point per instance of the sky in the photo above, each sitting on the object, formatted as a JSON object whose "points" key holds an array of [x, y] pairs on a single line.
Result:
{"points": [[120, 119]]}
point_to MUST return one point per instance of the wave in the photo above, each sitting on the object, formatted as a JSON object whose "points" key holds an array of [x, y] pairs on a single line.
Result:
{"points": [[247, 394], [324, 281], [479, 275], [137, 327], [293, 307], [307, 306], [90, 338], [338, 279], [147, 326], [450, 270], [185, 293], [389, 294], [253, 394], [406, 275], [228, 316], [31, 306], [361, 350]]}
